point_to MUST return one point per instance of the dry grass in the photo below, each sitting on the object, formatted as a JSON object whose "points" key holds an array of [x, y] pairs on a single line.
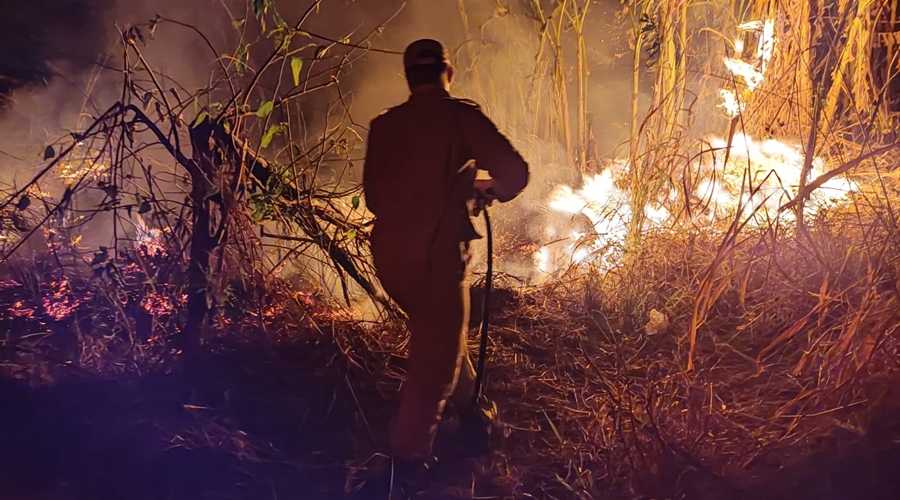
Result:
{"points": [[781, 346], [797, 351], [797, 357]]}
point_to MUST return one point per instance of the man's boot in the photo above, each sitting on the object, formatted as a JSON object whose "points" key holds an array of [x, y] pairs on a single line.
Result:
{"points": [[467, 430], [383, 477]]}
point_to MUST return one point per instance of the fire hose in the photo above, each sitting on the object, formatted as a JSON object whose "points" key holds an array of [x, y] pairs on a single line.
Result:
{"points": [[486, 311]]}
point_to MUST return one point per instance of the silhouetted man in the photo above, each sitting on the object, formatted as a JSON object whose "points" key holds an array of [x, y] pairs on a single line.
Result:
{"points": [[419, 182]]}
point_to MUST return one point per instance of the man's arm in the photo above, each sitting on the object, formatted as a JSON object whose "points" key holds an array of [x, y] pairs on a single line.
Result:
{"points": [[493, 152], [371, 166]]}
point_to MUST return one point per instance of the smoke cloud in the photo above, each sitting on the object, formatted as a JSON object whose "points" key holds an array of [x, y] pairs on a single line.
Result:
{"points": [[66, 60]]}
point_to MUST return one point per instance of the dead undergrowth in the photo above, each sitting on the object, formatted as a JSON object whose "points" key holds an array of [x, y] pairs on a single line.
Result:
{"points": [[794, 380], [769, 370]]}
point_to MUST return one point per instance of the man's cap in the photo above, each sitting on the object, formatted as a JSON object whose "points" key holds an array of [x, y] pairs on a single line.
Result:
{"points": [[425, 52]]}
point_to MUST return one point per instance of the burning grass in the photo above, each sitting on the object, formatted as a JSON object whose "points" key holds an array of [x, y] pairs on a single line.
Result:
{"points": [[692, 339], [798, 356], [796, 361]]}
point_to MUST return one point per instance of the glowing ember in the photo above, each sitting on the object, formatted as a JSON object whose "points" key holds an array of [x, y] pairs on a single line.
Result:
{"points": [[305, 298], [20, 310], [82, 163], [160, 305], [35, 191], [60, 303], [155, 304], [274, 310]]}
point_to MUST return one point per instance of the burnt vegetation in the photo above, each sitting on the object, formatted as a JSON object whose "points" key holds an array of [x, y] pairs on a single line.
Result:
{"points": [[217, 346]]}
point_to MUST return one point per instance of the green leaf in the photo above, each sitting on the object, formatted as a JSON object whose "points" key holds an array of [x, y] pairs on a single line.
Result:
{"points": [[296, 67], [553, 428], [242, 55], [259, 212], [265, 109], [200, 118], [351, 234], [49, 153], [355, 202], [278, 36], [270, 134]]}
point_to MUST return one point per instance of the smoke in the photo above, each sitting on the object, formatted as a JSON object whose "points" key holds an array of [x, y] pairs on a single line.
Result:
{"points": [[71, 70], [36, 33], [495, 49], [62, 63], [47, 46]]}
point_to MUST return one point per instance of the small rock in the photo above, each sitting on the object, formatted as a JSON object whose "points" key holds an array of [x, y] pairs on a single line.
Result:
{"points": [[658, 323]]}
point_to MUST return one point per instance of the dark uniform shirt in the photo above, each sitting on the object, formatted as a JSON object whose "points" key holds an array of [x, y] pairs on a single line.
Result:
{"points": [[418, 174]]}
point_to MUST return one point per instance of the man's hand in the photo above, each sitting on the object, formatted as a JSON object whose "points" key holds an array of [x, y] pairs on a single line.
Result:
{"points": [[484, 188], [484, 195]]}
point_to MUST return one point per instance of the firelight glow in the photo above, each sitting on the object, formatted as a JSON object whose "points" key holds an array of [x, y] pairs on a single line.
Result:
{"points": [[83, 163], [749, 179], [148, 238], [758, 177], [749, 74]]}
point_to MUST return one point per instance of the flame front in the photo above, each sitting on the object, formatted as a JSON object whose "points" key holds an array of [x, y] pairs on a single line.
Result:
{"points": [[148, 239], [755, 181], [747, 76], [745, 178], [82, 163]]}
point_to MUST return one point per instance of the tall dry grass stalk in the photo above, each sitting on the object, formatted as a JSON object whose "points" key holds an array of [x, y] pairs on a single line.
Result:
{"points": [[577, 18], [658, 138], [819, 92], [562, 119]]}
